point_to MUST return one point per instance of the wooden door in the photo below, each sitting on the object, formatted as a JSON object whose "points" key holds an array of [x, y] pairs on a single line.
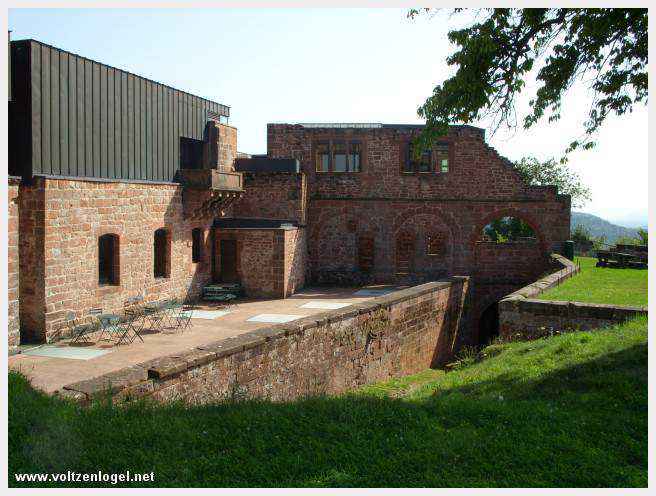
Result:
{"points": [[229, 260]]}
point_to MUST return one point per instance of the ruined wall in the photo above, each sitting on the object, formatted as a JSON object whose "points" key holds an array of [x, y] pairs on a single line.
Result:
{"points": [[381, 205], [391, 336], [521, 316], [13, 262], [277, 195], [61, 221]]}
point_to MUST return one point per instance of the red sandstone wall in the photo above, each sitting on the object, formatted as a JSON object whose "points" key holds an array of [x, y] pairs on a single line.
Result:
{"points": [[382, 202], [13, 277], [295, 260], [392, 336], [273, 196], [260, 259], [60, 269]]}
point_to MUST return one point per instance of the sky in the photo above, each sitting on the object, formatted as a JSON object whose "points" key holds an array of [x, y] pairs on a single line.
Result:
{"points": [[332, 65]]}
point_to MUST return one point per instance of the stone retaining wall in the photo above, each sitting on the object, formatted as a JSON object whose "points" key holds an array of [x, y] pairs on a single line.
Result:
{"points": [[329, 353], [523, 317]]}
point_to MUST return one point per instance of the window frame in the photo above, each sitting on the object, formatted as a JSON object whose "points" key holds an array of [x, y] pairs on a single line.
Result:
{"points": [[114, 260], [348, 147], [166, 263], [435, 165]]}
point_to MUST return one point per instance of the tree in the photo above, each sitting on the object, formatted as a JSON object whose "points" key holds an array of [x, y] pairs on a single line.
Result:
{"points": [[643, 235], [581, 234], [508, 229], [553, 173], [498, 51]]}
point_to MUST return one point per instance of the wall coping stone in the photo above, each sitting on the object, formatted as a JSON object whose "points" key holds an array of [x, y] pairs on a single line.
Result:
{"points": [[166, 367], [546, 282]]}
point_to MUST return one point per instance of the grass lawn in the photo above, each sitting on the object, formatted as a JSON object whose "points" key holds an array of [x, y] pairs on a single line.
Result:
{"points": [[602, 285], [566, 411]]}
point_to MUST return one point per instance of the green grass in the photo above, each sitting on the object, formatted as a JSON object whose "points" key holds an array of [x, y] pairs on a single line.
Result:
{"points": [[566, 411], [602, 285]]}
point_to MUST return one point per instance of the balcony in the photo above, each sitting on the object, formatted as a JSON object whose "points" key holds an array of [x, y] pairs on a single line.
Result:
{"points": [[214, 180]]}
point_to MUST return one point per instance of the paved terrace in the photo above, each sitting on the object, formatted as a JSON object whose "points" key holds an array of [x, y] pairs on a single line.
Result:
{"points": [[51, 374]]}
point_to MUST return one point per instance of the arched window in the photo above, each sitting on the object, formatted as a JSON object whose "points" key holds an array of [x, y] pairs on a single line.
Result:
{"points": [[508, 230], [197, 245], [405, 250], [162, 253], [108, 260]]}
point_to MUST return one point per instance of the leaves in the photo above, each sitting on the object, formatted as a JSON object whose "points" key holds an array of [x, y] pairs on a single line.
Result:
{"points": [[553, 173], [605, 47]]}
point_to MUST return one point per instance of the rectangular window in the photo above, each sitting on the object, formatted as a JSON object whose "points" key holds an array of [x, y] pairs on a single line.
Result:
{"points": [[354, 156], [323, 157], [339, 156], [442, 157], [108, 260], [421, 163], [433, 245]]}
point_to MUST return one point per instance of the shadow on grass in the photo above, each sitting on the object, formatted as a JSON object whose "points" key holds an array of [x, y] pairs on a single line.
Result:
{"points": [[579, 426]]}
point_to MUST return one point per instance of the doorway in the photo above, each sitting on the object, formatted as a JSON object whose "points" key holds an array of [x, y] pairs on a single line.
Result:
{"points": [[488, 327], [228, 271]]}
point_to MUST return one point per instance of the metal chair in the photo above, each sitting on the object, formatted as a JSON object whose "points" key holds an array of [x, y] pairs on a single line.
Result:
{"points": [[79, 332]]}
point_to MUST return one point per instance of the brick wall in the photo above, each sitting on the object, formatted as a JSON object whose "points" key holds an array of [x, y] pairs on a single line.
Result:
{"points": [[383, 204], [270, 262], [280, 196], [295, 260], [220, 148], [521, 316], [392, 336], [61, 221], [13, 257]]}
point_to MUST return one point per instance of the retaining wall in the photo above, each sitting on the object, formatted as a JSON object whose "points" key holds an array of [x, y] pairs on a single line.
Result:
{"points": [[329, 353], [521, 316]]}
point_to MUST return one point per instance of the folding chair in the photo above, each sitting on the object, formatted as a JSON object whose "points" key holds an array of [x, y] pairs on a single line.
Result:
{"points": [[183, 314], [79, 332]]}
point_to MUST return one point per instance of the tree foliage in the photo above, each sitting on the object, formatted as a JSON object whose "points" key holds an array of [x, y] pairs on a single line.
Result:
{"points": [[581, 234], [508, 229], [606, 48], [554, 173]]}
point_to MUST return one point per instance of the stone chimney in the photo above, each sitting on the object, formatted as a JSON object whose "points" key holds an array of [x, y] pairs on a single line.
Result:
{"points": [[220, 149]]}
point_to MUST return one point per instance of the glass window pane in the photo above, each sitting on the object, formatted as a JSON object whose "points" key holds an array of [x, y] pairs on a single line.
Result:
{"points": [[442, 152], [323, 158], [354, 157], [339, 157]]}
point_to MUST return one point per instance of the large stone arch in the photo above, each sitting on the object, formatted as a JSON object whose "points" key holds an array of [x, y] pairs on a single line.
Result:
{"points": [[525, 215], [426, 221]]}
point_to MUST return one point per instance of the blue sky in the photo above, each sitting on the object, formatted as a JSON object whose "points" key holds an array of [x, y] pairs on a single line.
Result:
{"points": [[328, 65]]}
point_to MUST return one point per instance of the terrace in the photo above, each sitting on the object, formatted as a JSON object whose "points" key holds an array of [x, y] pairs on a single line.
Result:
{"points": [[69, 363]]}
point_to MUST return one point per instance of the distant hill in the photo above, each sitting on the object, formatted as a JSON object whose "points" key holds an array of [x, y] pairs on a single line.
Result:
{"points": [[600, 227]]}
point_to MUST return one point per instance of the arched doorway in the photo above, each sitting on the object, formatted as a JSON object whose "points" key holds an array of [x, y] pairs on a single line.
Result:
{"points": [[488, 324]]}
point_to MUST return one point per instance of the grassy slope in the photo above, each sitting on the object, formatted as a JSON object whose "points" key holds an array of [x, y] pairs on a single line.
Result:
{"points": [[602, 285], [565, 411]]}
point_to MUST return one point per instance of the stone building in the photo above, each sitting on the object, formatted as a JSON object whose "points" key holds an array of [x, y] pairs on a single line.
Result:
{"points": [[121, 186]]}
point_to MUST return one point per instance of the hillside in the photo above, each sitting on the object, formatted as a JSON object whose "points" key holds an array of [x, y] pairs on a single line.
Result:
{"points": [[567, 411], [600, 227]]}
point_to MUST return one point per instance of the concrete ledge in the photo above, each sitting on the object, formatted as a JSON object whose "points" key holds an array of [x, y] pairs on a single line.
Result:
{"points": [[523, 317], [239, 361]]}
